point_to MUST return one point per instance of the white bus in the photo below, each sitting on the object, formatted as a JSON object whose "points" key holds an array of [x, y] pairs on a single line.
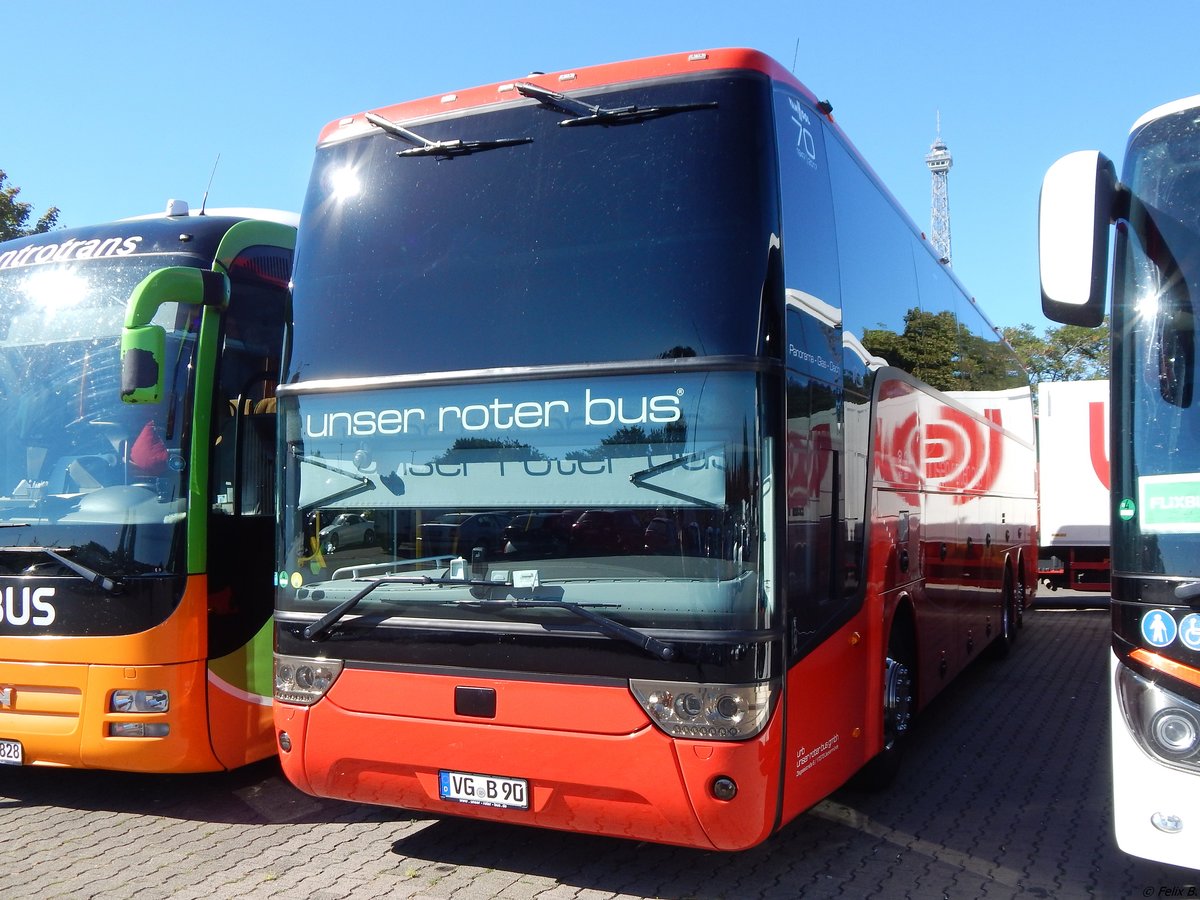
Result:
{"points": [[1154, 452]]}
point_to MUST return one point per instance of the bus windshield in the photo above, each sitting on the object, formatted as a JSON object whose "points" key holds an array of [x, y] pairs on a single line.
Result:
{"points": [[634, 240], [639, 494], [81, 473], [1155, 346], [493, 247]]}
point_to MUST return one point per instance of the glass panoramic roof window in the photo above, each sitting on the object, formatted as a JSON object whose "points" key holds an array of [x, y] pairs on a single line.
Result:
{"points": [[637, 238]]}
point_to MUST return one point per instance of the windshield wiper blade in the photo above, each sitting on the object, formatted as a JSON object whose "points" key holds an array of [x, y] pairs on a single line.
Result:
{"points": [[603, 623], [426, 147], [104, 582], [109, 585], [591, 114], [319, 629]]}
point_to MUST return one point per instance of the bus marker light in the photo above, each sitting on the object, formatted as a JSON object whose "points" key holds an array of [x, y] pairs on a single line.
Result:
{"points": [[1167, 823], [138, 729], [1169, 666], [724, 788], [285, 742]]}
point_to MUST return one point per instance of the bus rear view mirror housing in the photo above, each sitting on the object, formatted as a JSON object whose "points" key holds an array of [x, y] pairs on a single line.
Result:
{"points": [[1076, 206], [143, 344], [142, 351]]}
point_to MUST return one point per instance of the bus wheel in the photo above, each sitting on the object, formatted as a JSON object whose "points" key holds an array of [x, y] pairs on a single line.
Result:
{"points": [[1009, 619], [1022, 598], [898, 705]]}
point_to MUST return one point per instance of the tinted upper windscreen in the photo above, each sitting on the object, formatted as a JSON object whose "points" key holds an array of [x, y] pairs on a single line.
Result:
{"points": [[607, 242]]}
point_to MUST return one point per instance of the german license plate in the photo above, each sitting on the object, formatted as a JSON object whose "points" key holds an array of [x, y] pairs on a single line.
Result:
{"points": [[11, 753], [483, 790]]}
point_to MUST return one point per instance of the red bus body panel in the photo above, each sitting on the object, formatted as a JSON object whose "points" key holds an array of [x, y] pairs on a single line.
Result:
{"points": [[593, 761]]}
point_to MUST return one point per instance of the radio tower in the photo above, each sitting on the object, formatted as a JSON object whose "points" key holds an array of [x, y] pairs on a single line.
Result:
{"points": [[939, 161]]}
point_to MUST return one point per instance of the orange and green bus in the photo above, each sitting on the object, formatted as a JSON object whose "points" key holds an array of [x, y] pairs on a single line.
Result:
{"points": [[138, 364]]}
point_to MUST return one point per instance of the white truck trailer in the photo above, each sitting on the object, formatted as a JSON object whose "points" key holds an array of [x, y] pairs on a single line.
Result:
{"points": [[1074, 480]]}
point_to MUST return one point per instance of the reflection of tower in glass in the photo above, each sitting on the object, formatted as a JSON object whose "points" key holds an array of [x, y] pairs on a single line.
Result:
{"points": [[939, 161]]}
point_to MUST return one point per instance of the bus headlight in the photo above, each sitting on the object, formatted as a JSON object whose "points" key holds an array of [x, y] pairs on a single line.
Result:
{"points": [[302, 680], [127, 701], [711, 712], [1175, 732], [1164, 724]]}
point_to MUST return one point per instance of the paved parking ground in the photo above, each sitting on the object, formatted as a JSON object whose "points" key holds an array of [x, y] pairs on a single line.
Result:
{"points": [[1004, 794]]}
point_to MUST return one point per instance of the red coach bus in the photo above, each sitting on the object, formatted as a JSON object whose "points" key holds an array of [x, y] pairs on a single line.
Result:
{"points": [[644, 469]]}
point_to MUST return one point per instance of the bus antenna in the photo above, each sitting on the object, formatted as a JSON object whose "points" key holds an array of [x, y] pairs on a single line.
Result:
{"points": [[204, 202], [796, 56]]}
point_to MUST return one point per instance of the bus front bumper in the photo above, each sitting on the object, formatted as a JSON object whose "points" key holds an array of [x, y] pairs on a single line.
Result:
{"points": [[105, 717], [622, 778]]}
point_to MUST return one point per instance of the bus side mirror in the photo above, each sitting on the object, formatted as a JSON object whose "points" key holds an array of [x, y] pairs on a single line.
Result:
{"points": [[142, 352], [1074, 212], [143, 344]]}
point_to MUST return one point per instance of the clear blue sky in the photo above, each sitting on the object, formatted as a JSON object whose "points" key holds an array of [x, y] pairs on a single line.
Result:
{"points": [[110, 109]]}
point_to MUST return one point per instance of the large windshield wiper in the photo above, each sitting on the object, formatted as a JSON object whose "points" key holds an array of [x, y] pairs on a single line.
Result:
{"points": [[102, 581], [319, 629], [590, 114], [603, 623], [110, 585], [426, 147]]}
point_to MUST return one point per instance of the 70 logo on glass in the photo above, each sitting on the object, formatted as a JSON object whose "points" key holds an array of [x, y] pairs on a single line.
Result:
{"points": [[806, 144]]}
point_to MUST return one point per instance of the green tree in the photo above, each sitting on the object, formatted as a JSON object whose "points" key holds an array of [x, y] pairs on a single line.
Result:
{"points": [[944, 353], [1062, 353], [14, 215], [928, 347]]}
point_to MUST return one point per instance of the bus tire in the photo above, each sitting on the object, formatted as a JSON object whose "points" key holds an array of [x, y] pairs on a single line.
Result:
{"points": [[1009, 618], [1022, 595], [899, 678]]}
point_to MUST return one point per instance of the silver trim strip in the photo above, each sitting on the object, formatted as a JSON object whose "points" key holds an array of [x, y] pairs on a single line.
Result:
{"points": [[530, 373]]}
